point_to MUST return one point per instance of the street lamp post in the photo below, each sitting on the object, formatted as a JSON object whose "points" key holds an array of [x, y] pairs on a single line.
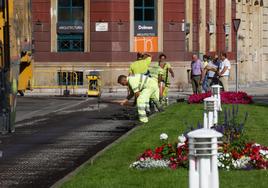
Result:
{"points": [[236, 24]]}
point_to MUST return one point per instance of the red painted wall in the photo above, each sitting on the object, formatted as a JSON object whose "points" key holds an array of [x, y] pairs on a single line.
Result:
{"points": [[220, 41], [195, 26], [174, 38], [113, 46]]}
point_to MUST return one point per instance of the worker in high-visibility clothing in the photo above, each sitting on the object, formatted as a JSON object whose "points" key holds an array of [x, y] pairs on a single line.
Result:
{"points": [[144, 89], [141, 65], [165, 77], [156, 73]]}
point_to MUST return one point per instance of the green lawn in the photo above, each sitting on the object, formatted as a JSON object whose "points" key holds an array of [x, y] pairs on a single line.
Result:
{"points": [[111, 170]]}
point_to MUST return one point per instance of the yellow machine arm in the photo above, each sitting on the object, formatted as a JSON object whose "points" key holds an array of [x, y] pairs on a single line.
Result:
{"points": [[10, 49]]}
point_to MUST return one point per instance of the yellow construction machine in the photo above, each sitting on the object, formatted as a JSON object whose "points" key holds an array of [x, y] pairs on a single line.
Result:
{"points": [[94, 84], [14, 39], [26, 72]]}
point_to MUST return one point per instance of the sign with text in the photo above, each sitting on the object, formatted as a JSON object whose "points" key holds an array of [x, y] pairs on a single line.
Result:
{"points": [[146, 44], [101, 26], [67, 28], [145, 29]]}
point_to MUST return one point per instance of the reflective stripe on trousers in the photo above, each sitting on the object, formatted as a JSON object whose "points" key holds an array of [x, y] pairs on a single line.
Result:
{"points": [[142, 103], [142, 85], [141, 111], [147, 106], [151, 92], [165, 92]]}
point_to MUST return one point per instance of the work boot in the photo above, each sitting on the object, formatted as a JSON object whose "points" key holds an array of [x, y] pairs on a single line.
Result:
{"points": [[159, 106], [144, 120]]}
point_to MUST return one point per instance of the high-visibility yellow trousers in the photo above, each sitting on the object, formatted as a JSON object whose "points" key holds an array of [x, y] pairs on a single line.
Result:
{"points": [[143, 100], [164, 99], [165, 92]]}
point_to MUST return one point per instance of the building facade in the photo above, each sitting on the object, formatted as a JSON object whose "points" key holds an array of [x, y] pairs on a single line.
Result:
{"points": [[73, 37], [252, 40]]}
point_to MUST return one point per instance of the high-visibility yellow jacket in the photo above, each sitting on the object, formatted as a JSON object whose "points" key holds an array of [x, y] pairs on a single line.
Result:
{"points": [[156, 71], [166, 73], [140, 66], [138, 82]]}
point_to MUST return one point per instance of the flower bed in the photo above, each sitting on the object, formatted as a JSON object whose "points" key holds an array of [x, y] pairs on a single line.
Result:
{"points": [[168, 155], [226, 98], [247, 156], [235, 152]]}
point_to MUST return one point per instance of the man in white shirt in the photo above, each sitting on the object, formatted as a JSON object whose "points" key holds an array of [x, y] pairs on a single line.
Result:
{"points": [[224, 72]]}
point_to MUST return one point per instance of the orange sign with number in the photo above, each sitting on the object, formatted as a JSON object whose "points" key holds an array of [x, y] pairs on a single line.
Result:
{"points": [[146, 44]]}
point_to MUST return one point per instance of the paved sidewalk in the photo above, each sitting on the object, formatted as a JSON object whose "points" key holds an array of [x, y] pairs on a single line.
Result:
{"points": [[254, 89]]}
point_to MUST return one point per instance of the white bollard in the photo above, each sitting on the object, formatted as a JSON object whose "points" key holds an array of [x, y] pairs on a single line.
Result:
{"points": [[210, 112], [216, 93], [203, 161]]}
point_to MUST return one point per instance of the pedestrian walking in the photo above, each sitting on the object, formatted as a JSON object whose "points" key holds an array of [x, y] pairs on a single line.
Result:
{"points": [[224, 71], [144, 89], [196, 74], [204, 78], [211, 70], [165, 84]]}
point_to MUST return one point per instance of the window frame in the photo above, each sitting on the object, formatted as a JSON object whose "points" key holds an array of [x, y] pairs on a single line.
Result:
{"points": [[62, 75], [159, 22], [72, 37], [143, 8]]}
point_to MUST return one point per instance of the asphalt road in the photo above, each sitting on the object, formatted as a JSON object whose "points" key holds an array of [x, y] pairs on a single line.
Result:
{"points": [[55, 135], [29, 107]]}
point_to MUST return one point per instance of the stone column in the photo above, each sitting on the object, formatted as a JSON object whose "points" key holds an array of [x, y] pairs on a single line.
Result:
{"points": [[202, 26]]}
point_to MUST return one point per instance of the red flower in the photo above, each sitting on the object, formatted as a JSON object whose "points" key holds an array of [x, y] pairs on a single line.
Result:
{"points": [[236, 155], [173, 165], [157, 156], [255, 150], [159, 149], [147, 154], [171, 159]]}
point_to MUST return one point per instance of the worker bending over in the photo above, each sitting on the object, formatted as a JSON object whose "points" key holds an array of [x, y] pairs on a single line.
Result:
{"points": [[140, 66], [144, 89]]}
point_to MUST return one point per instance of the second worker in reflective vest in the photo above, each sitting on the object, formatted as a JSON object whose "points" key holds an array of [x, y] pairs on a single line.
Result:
{"points": [[144, 89], [165, 77]]}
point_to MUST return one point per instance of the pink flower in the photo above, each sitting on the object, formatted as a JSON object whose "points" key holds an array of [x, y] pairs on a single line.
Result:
{"points": [[226, 98]]}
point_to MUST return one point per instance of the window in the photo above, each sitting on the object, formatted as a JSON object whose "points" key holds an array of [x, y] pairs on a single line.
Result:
{"points": [[144, 10], [70, 25], [70, 78]]}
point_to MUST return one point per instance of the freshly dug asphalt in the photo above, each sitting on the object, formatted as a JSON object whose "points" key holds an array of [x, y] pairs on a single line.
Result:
{"points": [[46, 148]]}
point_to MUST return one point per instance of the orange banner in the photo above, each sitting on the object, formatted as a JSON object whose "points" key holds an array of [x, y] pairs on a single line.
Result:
{"points": [[146, 44]]}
